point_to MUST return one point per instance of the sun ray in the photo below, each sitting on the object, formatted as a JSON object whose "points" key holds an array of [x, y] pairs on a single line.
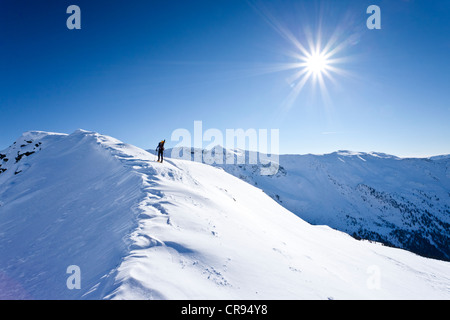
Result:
{"points": [[314, 53]]}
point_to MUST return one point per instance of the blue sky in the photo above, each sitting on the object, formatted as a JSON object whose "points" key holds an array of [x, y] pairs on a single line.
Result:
{"points": [[138, 70]]}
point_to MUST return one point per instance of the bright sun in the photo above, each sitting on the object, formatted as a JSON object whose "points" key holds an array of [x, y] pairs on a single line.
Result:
{"points": [[316, 63], [314, 59]]}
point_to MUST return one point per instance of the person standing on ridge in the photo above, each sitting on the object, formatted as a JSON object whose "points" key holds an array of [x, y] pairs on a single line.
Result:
{"points": [[160, 150]]}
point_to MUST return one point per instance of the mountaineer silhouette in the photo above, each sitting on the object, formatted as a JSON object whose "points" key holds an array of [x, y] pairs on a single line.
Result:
{"points": [[160, 150]]}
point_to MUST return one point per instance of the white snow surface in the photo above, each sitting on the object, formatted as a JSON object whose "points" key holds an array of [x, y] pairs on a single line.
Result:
{"points": [[401, 202], [139, 229]]}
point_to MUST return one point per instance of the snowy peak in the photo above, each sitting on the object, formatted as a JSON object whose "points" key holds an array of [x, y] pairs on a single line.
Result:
{"points": [[347, 153], [440, 157], [31, 142]]}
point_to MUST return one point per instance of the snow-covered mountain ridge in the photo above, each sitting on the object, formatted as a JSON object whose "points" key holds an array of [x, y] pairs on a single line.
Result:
{"points": [[138, 229], [401, 202]]}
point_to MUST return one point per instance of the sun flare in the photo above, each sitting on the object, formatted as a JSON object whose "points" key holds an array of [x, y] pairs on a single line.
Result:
{"points": [[316, 63], [317, 56]]}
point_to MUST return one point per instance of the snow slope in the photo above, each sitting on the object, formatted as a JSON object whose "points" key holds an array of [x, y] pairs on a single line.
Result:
{"points": [[139, 229], [402, 202]]}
